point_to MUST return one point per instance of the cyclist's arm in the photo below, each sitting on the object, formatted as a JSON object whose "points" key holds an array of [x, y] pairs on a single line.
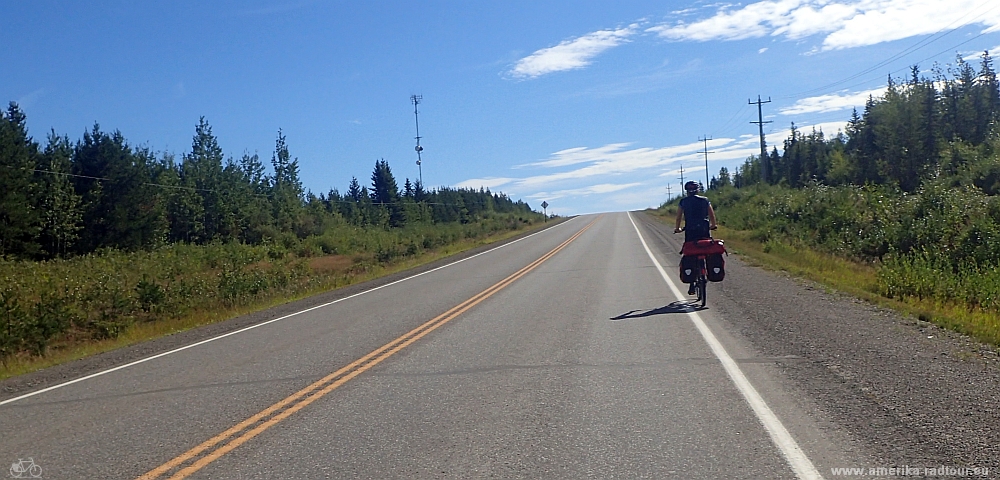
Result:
{"points": [[711, 217], [677, 223]]}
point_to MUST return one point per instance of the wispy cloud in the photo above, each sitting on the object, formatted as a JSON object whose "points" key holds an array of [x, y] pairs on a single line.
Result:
{"points": [[26, 101], [608, 161], [584, 191], [832, 102], [570, 54], [845, 23], [972, 56], [618, 175], [488, 182]]}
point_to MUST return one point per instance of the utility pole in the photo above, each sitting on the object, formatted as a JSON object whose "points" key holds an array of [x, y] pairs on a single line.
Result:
{"points": [[682, 176], [670, 196], [415, 99], [763, 146], [706, 152]]}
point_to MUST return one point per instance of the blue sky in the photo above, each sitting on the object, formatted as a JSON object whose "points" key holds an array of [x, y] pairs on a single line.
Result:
{"points": [[591, 106]]}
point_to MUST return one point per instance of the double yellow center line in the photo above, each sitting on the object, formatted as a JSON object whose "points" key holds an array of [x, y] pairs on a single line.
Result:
{"points": [[206, 453]]}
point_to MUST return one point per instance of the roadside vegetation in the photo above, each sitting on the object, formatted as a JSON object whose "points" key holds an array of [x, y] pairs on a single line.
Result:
{"points": [[103, 244], [902, 208]]}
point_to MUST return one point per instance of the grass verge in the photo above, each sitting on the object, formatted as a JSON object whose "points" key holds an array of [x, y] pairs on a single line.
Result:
{"points": [[854, 278], [328, 273]]}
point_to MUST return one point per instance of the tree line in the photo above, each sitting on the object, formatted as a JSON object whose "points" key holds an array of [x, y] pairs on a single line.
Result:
{"points": [[70, 198], [924, 127], [912, 187]]}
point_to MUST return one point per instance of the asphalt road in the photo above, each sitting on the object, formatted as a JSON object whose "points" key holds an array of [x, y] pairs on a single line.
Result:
{"points": [[566, 354]]}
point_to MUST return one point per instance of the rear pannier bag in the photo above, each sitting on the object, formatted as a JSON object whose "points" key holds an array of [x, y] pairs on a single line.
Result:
{"points": [[689, 269], [716, 266]]}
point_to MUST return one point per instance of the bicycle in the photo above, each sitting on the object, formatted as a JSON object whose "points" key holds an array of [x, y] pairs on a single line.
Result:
{"points": [[700, 250], [29, 467]]}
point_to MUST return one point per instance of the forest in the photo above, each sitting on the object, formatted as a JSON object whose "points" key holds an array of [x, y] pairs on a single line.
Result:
{"points": [[70, 198], [98, 235], [911, 187]]}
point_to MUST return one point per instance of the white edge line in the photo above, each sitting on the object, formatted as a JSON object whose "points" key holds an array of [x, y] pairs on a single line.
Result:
{"points": [[251, 327], [782, 439]]}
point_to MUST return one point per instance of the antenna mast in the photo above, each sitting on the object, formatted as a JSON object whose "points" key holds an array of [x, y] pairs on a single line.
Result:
{"points": [[415, 99]]}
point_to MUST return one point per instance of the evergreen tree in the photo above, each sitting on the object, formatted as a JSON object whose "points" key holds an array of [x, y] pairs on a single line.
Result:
{"points": [[286, 189], [201, 173], [385, 193], [121, 207], [58, 203], [256, 211], [723, 180], [408, 189], [19, 221]]}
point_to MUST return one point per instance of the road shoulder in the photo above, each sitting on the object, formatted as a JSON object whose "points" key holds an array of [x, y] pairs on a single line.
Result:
{"points": [[914, 394]]}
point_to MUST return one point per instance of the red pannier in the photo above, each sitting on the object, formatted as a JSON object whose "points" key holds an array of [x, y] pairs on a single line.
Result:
{"points": [[712, 249], [705, 246]]}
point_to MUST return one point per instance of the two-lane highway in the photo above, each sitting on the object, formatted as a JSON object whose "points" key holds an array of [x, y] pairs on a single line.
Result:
{"points": [[565, 354]]}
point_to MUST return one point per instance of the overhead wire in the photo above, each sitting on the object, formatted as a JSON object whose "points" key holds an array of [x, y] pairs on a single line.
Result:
{"points": [[947, 30], [182, 187]]}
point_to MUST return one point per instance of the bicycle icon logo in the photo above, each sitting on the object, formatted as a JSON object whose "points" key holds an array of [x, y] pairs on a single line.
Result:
{"points": [[25, 469]]}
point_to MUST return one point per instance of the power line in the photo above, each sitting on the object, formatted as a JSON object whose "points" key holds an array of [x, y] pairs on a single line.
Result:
{"points": [[181, 187], [948, 30]]}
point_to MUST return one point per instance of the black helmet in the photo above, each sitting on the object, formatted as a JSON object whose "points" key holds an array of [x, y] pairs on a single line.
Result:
{"points": [[692, 187]]}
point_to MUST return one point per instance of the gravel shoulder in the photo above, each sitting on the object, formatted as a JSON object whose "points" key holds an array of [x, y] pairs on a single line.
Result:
{"points": [[912, 393], [19, 385]]}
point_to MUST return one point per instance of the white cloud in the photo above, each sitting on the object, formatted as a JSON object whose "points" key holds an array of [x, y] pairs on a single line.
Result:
{"points": [[762, 50], [584, 191], [610, 154], [977, 55], [570, 54], [489, 182], [616, 176], [829, 129], [845, 23], [832, 102]]}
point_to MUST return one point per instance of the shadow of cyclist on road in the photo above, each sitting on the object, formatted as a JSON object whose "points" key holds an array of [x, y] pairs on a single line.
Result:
{"points": [[675, 307]]}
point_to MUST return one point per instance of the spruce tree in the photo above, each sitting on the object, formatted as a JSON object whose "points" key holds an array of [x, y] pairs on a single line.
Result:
{"points": [[20, 222], [58, 202]]}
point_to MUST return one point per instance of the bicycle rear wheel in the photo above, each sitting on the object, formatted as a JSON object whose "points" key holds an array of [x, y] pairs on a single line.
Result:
{"points": [[702, 293]]}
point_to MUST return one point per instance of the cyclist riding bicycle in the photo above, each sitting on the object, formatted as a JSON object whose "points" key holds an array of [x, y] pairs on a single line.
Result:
{"points": [[698, 215]]}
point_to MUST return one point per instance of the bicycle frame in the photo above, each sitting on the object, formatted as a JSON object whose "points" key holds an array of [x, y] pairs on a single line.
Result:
{"points": [[701, 284]]}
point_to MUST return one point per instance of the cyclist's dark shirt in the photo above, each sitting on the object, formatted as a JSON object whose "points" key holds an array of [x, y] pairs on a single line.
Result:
{"points": [[695, 217]]}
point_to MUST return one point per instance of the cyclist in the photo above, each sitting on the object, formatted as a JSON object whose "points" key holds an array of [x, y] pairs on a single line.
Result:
{"points": [[699, 217]]}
